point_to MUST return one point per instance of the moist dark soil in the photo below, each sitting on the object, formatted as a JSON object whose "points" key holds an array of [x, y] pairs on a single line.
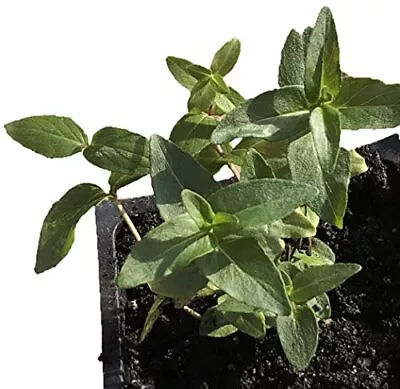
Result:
{"points": [[358, 348]]}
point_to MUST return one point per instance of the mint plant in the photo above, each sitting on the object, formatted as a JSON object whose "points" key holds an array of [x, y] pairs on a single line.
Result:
{"points": [[251, 245]]}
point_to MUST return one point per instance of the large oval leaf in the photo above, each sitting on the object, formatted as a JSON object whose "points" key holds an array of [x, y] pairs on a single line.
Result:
{"points": [[226, 57], [119, 151], [331, 200], [51, 136], [57, 234], [368, 103], [275, 115], [317, 280], [243, 270], [173, 170], [298, 334], [262, 201]]}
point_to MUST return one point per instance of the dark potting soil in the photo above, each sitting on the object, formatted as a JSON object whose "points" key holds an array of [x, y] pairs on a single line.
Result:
{"points": [[358, 348]]}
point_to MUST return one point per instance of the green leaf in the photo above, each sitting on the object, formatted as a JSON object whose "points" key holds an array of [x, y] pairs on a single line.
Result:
{"points": [[242, 269], [179, 69], [202, 96], [331, 200], [368, 103], [357, 164], [325, 130], [322, 71], [295, 225], [321, 306], [199, 72], [226, 57], [275, 153], [224, 218], [291, 68], [298, 334], [320, 279], [211, 160], [192, 133], [262, 201], [48, 135], [219, 84], [166, 248], [57, 234], [214, 323], [321, 254], [227, 102], [118, 180], [173, 170], [255, 166], [184, 282], [198, 208], [152, 316], [119, 151], [275, 115]]}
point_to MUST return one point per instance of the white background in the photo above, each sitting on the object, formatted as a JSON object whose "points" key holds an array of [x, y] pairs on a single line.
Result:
{"points": [[103, 63]]}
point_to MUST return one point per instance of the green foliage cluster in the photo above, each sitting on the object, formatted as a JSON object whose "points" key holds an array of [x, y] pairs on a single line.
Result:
{"points": [[252, 243]]}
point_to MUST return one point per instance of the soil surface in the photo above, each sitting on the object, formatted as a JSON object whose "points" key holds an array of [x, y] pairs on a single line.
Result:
{"points": [[359, 348]]}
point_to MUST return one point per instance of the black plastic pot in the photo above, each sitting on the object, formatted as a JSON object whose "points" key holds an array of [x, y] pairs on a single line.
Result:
{"points": [[107, 220], [112, 300]]}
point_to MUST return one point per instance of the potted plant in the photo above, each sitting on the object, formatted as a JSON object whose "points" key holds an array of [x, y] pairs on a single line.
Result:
{"points": [[241, 260]]}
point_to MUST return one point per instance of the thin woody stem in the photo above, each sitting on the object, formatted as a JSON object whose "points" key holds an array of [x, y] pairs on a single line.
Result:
{"points": [[234, 168], [127, 220], [192, 312]]}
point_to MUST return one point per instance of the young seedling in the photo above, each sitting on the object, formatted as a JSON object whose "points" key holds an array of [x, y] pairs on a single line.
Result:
{"points": [[250, 244]]}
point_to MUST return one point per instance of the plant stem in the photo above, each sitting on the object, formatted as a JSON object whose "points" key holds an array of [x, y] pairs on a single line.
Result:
{"points": [[192, 312], [234, 168], [138, 238], [127, 220]]}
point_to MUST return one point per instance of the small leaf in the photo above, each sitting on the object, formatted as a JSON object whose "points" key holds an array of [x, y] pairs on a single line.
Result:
{"points": [[331, 200], [227, 102], [173, 170], [275, 115], [320, 279], [165, 249], [57, 234], [224, 218], [357, 163], [118, 180], [295, 225], [198, 208], [255, 166], [181, 283], [325, 130], [322, 254], [119, 151], [215, 324], [202, 96], [262, 201], [219, 83], [199, 72], [291, 69], [322, 71], [152, 316], [298, 334], [192, 133], [226, 57], [179, 69], [256, 282], [48, 135], [368, 103], [275, 154]]}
